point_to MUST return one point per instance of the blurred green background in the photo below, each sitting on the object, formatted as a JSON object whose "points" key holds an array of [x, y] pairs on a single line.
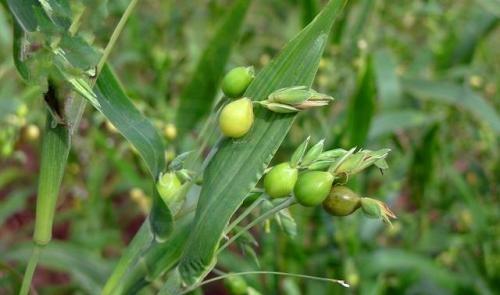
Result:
{"points": [[420, 77]]}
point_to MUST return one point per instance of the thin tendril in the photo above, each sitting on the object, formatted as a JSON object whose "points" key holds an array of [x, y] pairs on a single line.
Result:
{"points": [[221, 277]]}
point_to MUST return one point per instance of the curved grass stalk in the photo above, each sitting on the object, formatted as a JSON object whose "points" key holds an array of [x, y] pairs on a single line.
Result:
{"points": [[221, 277], [285, 204]]}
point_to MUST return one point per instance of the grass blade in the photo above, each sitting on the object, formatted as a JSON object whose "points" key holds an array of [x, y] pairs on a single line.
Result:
{"points": [[454, 94], [238, 165]]}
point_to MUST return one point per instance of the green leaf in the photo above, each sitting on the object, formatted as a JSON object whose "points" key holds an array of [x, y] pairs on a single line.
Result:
{"points": [[361, 108], [239, 164], [55, 149], [109, 98], [24, 12], [17, 51], [85, 267], [454, 94], [198, 95], [389, 122], [388, 86], [391, 260], [140, 241]]}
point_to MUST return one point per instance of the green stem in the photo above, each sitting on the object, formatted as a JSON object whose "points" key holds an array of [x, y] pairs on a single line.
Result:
{"points": [[115, 35], [244, 214], [221, 277], [285, 204], [30, 270]]}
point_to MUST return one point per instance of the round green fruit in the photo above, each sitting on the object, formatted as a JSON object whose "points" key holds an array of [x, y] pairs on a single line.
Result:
{"points": [[236, 118], [168, 185], [312, 187], [236, 81], [341, 201], [280, 180]]}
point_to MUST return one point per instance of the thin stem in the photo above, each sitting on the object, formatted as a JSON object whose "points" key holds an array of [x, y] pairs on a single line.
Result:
{"points": [[115, 35], [244, 214], [221, 277], [30, 270], [285, 204]]}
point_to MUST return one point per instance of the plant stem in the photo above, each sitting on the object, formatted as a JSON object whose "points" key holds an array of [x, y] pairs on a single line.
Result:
{"points": [[30, 270], [244, 214], [221, 277], [285, 204], [115, 35], [32, 263]]}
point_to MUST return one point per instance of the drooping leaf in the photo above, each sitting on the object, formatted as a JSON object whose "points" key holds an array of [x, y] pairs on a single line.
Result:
{"points": [[454, 94], [197, 97], [389, 122], [388, 86], [85, 267], [361, 108], [238, 164]]}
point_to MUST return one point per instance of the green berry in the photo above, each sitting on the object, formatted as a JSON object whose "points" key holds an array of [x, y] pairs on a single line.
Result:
{"points": [[236, 118], [312, 187], [279, 182], [341, 201], [236, 81], [168, 185]]}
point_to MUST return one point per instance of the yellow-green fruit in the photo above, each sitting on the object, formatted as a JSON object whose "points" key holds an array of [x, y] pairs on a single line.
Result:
{"points": [[279, 182], [236, 81], [341, 201], [168, 185], [312, 187], [236, 118]]}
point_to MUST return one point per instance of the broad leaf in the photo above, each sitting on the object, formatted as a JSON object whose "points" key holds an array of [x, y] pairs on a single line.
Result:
{"points": [[238, 164]]}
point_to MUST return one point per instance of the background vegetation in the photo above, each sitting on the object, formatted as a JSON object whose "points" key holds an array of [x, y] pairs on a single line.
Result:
{"points": [[419, 77]]}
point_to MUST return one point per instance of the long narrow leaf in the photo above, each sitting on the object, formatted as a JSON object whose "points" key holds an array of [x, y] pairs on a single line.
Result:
{"points": [[238, 165], [449, 93]]}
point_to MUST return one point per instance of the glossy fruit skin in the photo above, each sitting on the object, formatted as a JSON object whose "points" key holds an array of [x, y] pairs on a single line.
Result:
{"points": [[236, 81], [236, 118], [341, 201], [313, 187], [280, 181], [168, 185]]}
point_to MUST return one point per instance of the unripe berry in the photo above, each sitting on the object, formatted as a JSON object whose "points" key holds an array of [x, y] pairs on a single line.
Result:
{"points": [[280, 180], [236, 81], [312, 187], [341, 201], [236, 118]]}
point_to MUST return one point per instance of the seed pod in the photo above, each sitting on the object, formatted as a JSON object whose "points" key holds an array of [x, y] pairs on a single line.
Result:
{"points": [[312, 187], [291, 95], [298, 95], [236, 118], [236, 81], [279, 182], [299, 152], [278, 107], [341, 201], [313, 153], [236, 285], [350, 164], [168, 185], [377, 209]]}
